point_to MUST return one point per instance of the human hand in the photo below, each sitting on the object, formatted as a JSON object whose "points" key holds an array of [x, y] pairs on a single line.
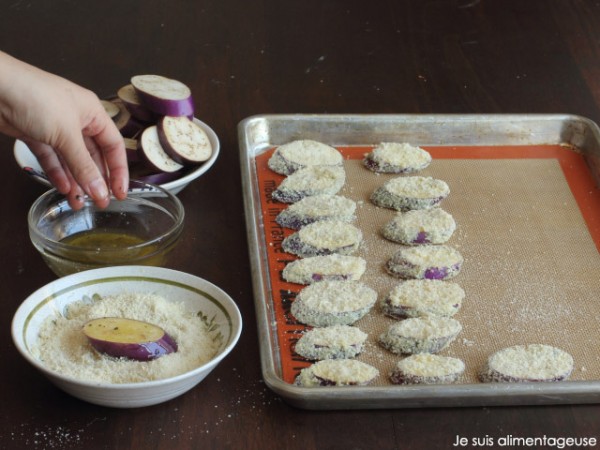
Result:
{"points": [[67, 129]]}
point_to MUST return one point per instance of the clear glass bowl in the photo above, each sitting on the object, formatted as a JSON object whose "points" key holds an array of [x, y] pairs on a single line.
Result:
{"points": [[140, 230]]}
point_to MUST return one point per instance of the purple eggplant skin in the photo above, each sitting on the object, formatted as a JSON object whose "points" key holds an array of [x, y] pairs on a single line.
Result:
{"points": [[442, 273], [293, 244], [336, 277], [144, 351], [133, 155], [160, 177], [141, 113], [436, 273], [293, 223], [131, 100], [180, 103], [387, 168], [493, 376], [422, 238], [197, 140], [131, 149], [128, 126], [165, 107], [404, 269], [153, 155], [288, 197]]}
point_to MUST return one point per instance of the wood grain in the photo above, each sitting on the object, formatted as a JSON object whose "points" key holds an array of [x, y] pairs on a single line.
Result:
{"points": [[267, 56]]}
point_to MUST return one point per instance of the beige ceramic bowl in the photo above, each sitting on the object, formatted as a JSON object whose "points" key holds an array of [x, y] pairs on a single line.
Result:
{"points": [[197, 295]]}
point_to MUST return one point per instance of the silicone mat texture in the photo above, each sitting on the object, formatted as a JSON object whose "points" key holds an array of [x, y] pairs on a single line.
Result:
{"points": [[528, 227]]}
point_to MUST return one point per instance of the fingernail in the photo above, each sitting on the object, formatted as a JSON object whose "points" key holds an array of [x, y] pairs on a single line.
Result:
{"points": [[98, 189]]}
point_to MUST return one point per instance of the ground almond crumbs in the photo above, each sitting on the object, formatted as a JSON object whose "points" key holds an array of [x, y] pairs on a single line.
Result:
{"points": [[62, 346]]}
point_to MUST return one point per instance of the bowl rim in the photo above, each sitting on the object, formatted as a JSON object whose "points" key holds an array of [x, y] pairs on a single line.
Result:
{"points": [[188, 281], [28, 163], [169, 235]]}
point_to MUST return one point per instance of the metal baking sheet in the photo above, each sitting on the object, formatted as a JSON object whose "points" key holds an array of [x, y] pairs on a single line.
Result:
{"points": [[553, 144]]}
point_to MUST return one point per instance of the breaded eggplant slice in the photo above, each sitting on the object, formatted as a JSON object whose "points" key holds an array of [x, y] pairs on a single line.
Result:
{"points": [[427, 368], [296, 155], [329, 303], [397, 157], [420, 226], [433, 262], [334, 342], [317, 207], [418, 298], [312, 180], [528, 363], [411, 192], [326, 267], [325, 237], [420, 335], [337, 372]]}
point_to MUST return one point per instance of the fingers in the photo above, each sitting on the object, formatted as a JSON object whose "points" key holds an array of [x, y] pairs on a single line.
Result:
{"points": [[67, 129], [51, 165], [105, 153], [75, 196], [58, 174], [96, 155], [75, 172], [109, 143], [85, 172]]}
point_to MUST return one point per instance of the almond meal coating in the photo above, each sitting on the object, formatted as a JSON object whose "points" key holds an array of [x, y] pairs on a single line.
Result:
{"points": [[312, 180], [427, 368], [317, 207], [325, 237], [411, 192], [417, 298], [434, 262], [327, 267], [334, 342], [420, 226], [329, 303], [394, 157], [337, 372], [295, 155], [528, 363], [420, 335]]}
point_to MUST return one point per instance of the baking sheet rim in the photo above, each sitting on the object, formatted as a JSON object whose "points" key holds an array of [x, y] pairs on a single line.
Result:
{"points": [[373, 397]]}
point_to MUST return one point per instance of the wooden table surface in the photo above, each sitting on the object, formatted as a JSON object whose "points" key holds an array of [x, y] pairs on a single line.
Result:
{"points": [[242, 58]]}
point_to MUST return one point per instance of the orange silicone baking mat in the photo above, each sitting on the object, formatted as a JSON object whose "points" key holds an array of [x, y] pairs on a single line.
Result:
{"points": [[528, 227]]}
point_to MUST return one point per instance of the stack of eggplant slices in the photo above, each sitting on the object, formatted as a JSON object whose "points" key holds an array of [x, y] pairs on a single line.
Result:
{"points": [[155, 116]]}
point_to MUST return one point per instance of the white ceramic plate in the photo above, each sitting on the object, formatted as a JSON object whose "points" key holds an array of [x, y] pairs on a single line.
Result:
{"points": [[28, 162], [194, 292]]}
